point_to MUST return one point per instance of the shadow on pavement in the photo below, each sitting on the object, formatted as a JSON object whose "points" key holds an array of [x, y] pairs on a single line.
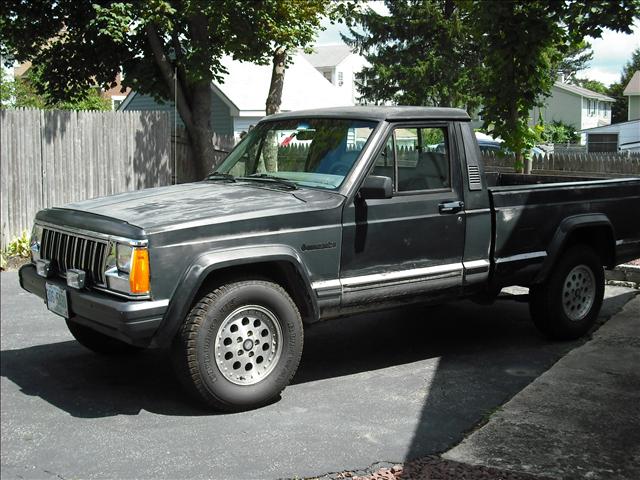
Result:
{"points": [[445, 421], [466, 338]]}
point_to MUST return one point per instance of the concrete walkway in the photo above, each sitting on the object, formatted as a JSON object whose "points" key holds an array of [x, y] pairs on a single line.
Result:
{"points": [[580, 419]]}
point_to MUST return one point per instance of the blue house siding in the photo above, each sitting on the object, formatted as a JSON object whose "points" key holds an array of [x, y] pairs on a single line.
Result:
{"points": [[221, 120]]}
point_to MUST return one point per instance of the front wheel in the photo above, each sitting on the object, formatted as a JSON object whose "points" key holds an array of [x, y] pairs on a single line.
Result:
{"points": [[240, 345], [566, 306]]}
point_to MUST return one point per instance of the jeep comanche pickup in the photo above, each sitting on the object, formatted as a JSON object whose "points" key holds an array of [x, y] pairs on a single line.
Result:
{"points": [[316, 215]]}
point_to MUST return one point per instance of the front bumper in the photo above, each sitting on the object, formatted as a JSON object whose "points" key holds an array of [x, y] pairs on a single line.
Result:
{"points": [[132, 321]]}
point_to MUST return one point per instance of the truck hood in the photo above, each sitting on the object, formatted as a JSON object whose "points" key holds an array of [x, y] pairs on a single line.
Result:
{"points": [[157, 209]]}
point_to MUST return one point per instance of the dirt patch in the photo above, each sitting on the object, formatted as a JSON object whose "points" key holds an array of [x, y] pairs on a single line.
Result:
{"points": [[14, 263], [435, 468]]}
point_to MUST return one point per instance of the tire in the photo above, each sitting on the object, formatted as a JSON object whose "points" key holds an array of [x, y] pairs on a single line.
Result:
{"points": [[567, 305], [239, 346], [100, 343]]}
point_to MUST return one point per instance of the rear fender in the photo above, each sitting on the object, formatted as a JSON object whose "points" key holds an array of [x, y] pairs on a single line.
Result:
{"points": [[565, 230]]}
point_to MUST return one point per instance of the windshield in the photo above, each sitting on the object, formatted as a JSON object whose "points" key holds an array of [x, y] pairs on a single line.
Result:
{"points": [[313, 152]]}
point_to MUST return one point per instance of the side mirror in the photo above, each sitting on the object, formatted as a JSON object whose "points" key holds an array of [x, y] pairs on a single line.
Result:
{"points": [[376, 187]]}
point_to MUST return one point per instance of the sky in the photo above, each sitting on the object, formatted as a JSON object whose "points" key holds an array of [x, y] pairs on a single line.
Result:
{"points": [[610, 52]]}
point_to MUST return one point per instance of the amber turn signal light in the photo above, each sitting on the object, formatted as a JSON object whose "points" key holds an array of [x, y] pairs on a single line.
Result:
{"points": [[139, 275]]}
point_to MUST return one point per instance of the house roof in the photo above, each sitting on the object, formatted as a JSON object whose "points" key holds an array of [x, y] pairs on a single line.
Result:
{"points": [[246, 86], [633, 87], [613, 127], [583, 92], [328, 55]]}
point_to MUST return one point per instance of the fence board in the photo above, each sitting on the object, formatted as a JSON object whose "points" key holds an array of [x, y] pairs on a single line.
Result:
{"points": [[50, 158], [585, 164]]}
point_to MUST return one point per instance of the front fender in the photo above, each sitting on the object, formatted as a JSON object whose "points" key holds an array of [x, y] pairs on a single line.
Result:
{"points": [[193, 278]]}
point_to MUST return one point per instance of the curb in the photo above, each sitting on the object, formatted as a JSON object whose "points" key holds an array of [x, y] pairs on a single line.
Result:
{"points": [[629, 275]]}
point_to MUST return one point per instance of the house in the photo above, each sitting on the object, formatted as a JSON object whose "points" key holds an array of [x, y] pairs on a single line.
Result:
{"points": [[576, 106], [238, 102], [617, 137], [339, 65], [632, 90], [113, 94]]}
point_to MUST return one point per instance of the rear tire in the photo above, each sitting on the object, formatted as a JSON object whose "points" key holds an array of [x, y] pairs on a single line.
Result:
{"points": [[100, 343], [239, 346], [567, 305]]}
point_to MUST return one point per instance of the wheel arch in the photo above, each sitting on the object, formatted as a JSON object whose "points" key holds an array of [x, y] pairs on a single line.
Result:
{"points": [[594, 230], [278, 263]]}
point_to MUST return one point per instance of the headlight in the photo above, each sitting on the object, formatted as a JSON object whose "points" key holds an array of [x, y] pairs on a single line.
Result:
{"points": [[127, 269], [124, 254], [35, 242]]}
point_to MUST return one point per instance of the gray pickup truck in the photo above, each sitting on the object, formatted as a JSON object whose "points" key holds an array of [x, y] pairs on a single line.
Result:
{"points": [[317, 215]]}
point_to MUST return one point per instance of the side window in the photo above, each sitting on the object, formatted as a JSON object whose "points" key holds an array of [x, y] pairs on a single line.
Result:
{"points": [[422, 158], [384, 164]]}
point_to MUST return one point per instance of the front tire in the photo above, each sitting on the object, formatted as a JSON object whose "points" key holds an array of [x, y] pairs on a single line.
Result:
{"points": [[239, 346], [567, 305]]}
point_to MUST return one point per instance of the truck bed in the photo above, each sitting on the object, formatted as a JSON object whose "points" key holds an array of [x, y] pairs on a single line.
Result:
{"points": [[528, 211]]}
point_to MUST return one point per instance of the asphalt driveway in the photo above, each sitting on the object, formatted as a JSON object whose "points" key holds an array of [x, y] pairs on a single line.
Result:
{"points": [[385, 387]]}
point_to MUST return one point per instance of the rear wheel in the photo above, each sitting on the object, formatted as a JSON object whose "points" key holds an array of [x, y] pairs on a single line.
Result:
{"points": [[567, 305], [98, 342], [240, 345]]}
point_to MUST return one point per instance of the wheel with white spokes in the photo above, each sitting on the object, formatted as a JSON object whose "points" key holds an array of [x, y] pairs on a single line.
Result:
{"points": [[578, 292], [240, 345], [567, 305], [248, 345]]}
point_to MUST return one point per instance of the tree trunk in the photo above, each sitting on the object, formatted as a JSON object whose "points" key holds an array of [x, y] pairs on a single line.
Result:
{"points": [[201, 134], [274, 99]]}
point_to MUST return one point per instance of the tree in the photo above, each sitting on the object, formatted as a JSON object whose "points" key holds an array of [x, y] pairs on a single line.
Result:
{"points": [[165, 48], [593, 85], [24, 92], [620, 109], [577, 58], [520, 43], [420, 54]]}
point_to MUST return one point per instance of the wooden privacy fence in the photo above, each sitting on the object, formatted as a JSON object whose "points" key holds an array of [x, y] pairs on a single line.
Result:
{"points": [[585, 164], [49, 158]]}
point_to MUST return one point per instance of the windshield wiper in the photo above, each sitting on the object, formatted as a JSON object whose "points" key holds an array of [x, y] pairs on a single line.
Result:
{"points": [[221, 176], [271, 179]]}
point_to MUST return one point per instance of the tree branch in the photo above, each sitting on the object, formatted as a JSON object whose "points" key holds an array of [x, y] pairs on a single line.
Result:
{"points": [[166, 70]]}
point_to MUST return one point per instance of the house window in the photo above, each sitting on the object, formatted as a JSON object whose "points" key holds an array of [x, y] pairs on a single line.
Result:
{"points": [[602, 142], [116, 101]]}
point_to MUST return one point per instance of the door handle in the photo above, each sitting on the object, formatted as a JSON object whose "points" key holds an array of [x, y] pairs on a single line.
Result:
{"points": [[451, 207]]}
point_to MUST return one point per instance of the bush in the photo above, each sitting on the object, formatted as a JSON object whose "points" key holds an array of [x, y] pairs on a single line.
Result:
{"points": [[18, 247], [558, 132]]}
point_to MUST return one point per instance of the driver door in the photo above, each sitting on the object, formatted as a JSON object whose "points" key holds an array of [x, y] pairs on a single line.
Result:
{"points": [[410, 245]]}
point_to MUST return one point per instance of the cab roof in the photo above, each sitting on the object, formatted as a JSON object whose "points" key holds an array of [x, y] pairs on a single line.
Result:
{"points": [[378, 113]]}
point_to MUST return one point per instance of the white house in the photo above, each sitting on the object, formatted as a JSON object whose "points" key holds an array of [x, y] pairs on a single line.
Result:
{"points": [[339, 65], [575, 106], [623, 137], [239, 101], [632, 90]]}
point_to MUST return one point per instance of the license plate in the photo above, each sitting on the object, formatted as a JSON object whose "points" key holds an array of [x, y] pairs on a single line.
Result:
{"points": [[57, 300]]}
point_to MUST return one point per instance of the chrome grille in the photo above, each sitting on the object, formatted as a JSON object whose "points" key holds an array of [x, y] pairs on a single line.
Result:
{"points": [[67, 250]]}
